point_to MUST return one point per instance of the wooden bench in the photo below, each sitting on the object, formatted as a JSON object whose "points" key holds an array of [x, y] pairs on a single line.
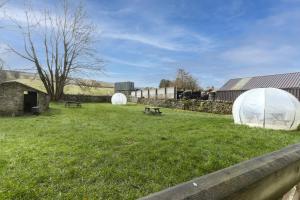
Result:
{"points": [[74, 104], [152, 110]]}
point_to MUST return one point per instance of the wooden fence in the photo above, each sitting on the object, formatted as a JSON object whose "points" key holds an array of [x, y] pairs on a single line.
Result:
{"points": [[267, 177]]}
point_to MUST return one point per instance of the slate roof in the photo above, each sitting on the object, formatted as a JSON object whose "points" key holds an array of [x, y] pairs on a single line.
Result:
{"points": [[289, 80]]}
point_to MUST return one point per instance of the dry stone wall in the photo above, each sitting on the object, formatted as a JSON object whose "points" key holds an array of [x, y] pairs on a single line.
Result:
{"points": [[87, 98], [218, 107]]}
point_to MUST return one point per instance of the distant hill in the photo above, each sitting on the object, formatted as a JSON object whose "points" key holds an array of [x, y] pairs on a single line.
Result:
{"points": [[9, 75], [75, 85]]}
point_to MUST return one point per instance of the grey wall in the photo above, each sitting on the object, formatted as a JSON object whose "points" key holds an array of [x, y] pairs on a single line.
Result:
{"points": [[228, 95], [218, 107], [43, 101], [12, 99], [294, 91], [86, 98], [160, 93]]}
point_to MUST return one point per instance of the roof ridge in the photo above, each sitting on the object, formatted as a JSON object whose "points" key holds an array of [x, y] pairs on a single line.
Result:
{"points": [[287, 80], [265, 75]]}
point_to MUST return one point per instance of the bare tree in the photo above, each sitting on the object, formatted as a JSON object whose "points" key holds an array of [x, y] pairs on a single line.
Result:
{"points": [[59, 45], [185, 81], [2, 2], [165, 83], [2, 61]]}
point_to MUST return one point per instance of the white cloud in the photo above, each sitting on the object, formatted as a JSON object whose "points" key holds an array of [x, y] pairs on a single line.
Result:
{"points": [[193, 42], [18, 14], [151, 30], [109, 60], [143, 40], [281, 19], [155, 42], [291, 1], [255, 55], [271, 42], [166, 37], [3, 47]]}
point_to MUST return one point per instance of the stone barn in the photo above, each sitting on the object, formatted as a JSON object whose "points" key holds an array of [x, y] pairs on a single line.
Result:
{"points": [[17, 98]]}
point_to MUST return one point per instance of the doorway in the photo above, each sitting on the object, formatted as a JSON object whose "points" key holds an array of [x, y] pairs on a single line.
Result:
{"points": [[30, 100]]}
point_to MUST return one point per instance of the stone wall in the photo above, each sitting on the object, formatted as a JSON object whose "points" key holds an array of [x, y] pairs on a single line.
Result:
{"points": [[43, 102], [219, 107], [12, 99], [87, 98]]}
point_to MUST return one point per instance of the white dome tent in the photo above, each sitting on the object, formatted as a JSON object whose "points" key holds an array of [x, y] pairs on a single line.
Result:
{"points": [[268, 108], [119, 99]]}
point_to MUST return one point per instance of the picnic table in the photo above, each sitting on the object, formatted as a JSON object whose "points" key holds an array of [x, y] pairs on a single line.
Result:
{"points": [[152, 110], [70, 104]]}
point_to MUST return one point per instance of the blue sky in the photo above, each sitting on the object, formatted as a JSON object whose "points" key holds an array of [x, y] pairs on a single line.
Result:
{"points": [[147, 40]]}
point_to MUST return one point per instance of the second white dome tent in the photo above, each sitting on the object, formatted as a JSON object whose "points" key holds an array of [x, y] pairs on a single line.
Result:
{"points": [[119, 99], [268, 108]]}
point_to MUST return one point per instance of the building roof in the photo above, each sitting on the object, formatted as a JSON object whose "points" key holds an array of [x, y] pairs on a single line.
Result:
{"points": [[24, 83], [289, 80]]}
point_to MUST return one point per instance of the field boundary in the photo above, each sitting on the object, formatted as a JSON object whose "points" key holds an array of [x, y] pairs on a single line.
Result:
{"points": [[86, 98], [217, 107], [266, 177]]}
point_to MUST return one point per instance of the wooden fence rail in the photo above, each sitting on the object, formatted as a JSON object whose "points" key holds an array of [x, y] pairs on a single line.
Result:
{"points": [[266, 177]]}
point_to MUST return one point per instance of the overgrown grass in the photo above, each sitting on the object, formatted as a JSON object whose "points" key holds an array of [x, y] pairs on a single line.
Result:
{"points": [[102, 151]]}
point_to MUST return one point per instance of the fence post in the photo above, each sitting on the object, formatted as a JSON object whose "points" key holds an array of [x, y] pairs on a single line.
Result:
{"points": [[165, 96]]}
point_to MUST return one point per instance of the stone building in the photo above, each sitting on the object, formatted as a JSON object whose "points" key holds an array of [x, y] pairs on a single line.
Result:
{"points": [[17, 98]]}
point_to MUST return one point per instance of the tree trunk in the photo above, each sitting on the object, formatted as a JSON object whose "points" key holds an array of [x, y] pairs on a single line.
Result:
{"points": [[67, 39]]}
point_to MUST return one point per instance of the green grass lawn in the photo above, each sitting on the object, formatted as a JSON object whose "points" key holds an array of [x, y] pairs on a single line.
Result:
{"points": [[102, 151]]}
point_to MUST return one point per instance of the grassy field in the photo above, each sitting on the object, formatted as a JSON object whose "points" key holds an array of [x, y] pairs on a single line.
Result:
{"points": [[102, 151]]}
